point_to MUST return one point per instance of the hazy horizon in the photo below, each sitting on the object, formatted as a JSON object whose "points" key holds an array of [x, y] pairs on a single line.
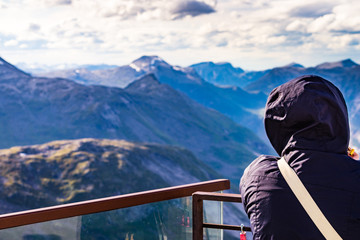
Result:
{"points": [[39, 68]]}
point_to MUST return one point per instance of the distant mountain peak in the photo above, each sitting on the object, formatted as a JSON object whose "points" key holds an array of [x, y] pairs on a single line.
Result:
{"points": [[10, 70], [224, 64], [145, 63], [151, 78], [210, 63], [219, 66], [144, 83], [346, 63], [294, 64], [150, 86], [3, 62], [213, 64], [220, 73]]}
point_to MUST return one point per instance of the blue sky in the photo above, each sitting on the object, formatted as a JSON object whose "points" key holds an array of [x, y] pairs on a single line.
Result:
{"points": [[252, 34]]}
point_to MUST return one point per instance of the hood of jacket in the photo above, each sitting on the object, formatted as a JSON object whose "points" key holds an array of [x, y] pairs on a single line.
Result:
{"points": [[307, 113]]}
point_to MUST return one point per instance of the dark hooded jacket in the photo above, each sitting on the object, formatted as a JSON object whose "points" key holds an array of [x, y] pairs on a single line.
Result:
{"points": [[306, 121]]}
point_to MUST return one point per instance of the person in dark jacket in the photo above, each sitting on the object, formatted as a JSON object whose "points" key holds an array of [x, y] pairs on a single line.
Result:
{"points": [[306, 121]]}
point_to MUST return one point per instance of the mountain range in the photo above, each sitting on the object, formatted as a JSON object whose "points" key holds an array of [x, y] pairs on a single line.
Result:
{"points": [[231, 101], [238, 94], [336, 72], [345, 74], [36, 110]]}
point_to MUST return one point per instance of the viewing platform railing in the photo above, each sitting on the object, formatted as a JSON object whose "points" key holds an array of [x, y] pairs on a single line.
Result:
{"points": [[46, 214], [197, 209]]}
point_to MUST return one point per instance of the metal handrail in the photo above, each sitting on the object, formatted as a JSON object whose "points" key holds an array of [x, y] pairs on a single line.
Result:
{"points": [[198, 219], [110, 203]]}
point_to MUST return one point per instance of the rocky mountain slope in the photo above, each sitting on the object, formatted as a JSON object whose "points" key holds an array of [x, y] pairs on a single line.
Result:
{"points": [[231, 101], [36, 110], [345, 74], [113, 76], [220, 73], [337, 72], [75, 170]]}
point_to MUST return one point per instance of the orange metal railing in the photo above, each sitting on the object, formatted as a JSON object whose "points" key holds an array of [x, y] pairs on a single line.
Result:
{"points": [[106, 204]]}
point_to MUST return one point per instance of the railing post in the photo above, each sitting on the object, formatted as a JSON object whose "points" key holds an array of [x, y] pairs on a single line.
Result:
{"points": [[198, 217], [197, 209]]}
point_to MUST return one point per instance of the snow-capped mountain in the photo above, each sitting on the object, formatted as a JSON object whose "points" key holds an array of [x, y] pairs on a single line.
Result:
{"points": [[244, 108], [231, 101], [36, 110]]}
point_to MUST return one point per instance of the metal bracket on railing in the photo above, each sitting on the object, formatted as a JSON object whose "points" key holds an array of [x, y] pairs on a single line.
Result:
{"points": [[197, 208]]}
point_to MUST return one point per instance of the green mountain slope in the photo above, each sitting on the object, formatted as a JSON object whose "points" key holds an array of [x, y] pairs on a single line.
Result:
{"points": [[76, 170]]}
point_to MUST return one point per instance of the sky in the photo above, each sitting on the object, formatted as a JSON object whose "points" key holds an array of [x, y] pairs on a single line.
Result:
{"points": [[251, 34]]}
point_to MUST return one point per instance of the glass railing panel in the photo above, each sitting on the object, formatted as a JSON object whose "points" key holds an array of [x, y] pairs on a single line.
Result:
{"points": [[68, 228], [162, 220], [213, 213], [166, 220]]}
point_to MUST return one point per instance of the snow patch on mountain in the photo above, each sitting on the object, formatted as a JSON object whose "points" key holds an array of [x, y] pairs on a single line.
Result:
{"points": [[135, 67], [156, 59], [178, 68], [294, 64], [148, 63]]}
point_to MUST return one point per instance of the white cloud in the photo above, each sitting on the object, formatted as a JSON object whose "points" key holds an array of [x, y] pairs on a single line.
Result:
{"points": [[281, 29], [347, 17], [11, 43], [146, 9], [191, 8], [321, 24], [312, 10], [34, 27], [297, 26], [24, 45], [74, 34], [47, 3]]}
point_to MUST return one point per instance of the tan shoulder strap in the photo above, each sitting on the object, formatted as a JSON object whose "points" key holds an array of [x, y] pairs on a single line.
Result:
{"points": [[307, 201]]}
